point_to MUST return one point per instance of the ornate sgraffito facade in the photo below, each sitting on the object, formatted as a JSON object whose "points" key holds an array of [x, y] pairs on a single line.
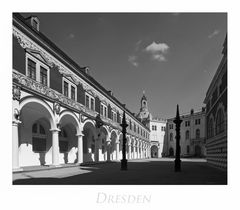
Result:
{"points": [[216, 115], [55, 105], [192, 132]]}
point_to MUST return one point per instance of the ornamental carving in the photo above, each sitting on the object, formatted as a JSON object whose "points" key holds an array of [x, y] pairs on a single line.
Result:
{"points": [[56, 107], [16, 92]]}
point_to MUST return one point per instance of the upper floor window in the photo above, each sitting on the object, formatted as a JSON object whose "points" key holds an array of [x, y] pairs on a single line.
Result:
{"points": [[163, 128], [187, 123], [114, 116], [219, 122], [197, 121], [69, 89], [103, 110], [89, 101], [197, 133], [171, 126], [171, 136], [31, 69], [37, 70]]}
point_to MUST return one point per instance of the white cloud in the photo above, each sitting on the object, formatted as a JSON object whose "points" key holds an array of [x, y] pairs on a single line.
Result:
{"points": [[155, 48], [159, 57], [133, 60], [214, 33], [157, 51]]}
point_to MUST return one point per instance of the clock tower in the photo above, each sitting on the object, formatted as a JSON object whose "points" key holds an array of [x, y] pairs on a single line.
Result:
{"points": [[144, 114]]}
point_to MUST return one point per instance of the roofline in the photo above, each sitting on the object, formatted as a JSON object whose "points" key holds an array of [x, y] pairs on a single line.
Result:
{"points": [[63, 57]]}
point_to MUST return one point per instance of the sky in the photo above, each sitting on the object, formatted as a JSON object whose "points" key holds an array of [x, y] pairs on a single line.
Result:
{"points": [[171, 56]]}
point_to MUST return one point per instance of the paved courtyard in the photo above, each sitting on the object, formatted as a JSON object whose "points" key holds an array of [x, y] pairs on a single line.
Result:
{"points": [[147, 172]]}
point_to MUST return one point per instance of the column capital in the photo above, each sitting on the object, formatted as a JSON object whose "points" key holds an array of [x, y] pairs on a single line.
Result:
{"points": [[80, 134], [16, 122], [55, 130]]}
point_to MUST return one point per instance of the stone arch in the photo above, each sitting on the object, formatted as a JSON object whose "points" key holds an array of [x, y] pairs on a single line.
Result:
{"points": [[28, 101], [113, 138], [104, 135], [34, 110], [70, 126], [89, 141]]}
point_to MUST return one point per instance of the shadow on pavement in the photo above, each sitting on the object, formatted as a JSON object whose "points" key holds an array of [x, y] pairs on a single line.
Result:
{"points": [[146, 172]]}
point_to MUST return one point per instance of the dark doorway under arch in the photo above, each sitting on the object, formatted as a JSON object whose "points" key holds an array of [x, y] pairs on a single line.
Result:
{"points": [[154, 151]]}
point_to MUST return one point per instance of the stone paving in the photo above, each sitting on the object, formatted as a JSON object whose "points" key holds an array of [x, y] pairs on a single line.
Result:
{"points": [[146, 172]]}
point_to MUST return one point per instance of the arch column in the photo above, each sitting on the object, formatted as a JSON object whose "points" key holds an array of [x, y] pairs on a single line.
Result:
{"points": [[108, 149], [117, 149], [15, 142], [80, 148], [129, 149], [55, 146], [16, 95]]}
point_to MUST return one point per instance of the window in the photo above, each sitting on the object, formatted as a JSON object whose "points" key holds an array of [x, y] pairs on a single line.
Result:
{"points": [[69, 89], [89, 102], [103, 110], [219, 122], [171, 137], [171, 126], [39, 138], [187, 135], [43, 76], [197, 121], [114, 116], [197, 134], [210, 128], [188, 149], [37, 70], [187, 123], [65, 89], [31, 69], [72, 93], [153, 127]]}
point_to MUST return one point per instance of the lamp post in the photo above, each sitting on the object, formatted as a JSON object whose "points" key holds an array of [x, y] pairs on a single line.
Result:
{"points": [[124, 160], [178, 122], [99, 124]]}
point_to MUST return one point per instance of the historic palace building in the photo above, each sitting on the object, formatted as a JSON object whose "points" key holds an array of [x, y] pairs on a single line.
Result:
{"points": [[216, 115], [192, 132], [157, 127], [55, 106]]}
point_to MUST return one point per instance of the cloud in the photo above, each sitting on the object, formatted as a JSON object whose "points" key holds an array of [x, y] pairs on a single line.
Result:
{"points": [[214, 33], [157, 51], [156, 48], [133, 60]]}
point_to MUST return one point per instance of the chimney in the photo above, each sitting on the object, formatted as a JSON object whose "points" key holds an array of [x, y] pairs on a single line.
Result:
{"points": [[192, 111], [34, 22], [110, 92], [86, 69]]}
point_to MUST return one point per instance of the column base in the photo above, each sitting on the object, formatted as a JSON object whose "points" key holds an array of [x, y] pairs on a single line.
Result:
{"points": [[17, 169]]}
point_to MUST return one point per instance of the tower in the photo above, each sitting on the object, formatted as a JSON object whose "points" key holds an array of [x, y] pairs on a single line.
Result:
{"points": [[144, 114]]}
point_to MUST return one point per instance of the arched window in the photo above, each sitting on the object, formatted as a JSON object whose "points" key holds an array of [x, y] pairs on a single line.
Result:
{"points": [[197, 133], [171, 137], [63, 141], [210, 128], [219, 122], [39, 138], [187, 135]]}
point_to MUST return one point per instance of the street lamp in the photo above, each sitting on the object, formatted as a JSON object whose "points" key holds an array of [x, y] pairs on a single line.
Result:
{"points": [[124, 126], [178, 122]]}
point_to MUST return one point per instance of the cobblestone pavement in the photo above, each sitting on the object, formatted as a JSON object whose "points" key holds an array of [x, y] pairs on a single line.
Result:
{"points": [[147, 172]]}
